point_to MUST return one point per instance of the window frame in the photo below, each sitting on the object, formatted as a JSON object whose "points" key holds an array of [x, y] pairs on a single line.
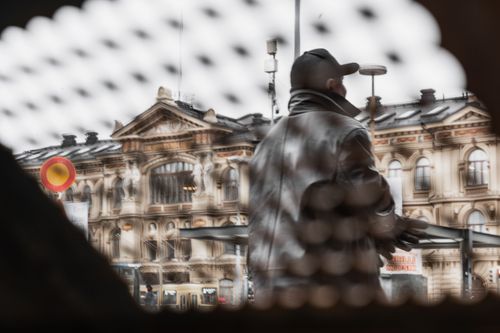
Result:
{"points": [[231, 184], [477, 171], [481, 225], [151, 246], [167, 183], [118, 193], [87, 194], [226, 290], [422, 179], [207, 297], [391, 170], [116, 235]]}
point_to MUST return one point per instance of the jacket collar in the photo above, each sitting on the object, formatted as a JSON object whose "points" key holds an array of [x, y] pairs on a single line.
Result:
{"points": [[303, 100]]}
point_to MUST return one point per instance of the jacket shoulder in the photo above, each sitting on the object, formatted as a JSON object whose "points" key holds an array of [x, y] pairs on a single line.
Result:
{"points": [[344, 125]]}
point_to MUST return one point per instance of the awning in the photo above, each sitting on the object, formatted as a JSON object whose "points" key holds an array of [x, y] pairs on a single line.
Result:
{"points": [[237, 234], [435, 236], [438, 237]]}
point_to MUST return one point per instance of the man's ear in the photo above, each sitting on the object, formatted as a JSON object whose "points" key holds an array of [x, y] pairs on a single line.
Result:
{"points": [[331, 84]]}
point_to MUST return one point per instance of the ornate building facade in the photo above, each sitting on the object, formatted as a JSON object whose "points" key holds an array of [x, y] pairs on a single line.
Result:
{"points": [[446, 158], [173, 167]]}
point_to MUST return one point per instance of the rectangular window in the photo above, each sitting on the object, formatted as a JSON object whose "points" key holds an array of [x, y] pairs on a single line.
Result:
{"points": [[169, 297], [209, 296], [422, 178], [170, 249], [229, 248], [176, 277], [477, 173], [186, 249], [152, 249]]}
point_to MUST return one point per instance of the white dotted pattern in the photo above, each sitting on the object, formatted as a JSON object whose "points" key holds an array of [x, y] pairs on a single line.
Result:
{"points": [[84, 68]]}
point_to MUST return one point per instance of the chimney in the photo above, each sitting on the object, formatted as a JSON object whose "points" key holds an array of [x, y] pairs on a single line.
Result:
{"points": [[427, 96], [68, 140], [257, 119], [378, 104], [91, 138]]}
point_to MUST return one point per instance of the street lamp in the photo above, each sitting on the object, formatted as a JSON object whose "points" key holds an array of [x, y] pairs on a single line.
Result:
{"points": [[372, 70], [271, 67]]}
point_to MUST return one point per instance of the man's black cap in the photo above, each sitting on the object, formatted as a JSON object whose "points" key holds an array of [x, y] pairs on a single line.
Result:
{"points": [[316, 65]]}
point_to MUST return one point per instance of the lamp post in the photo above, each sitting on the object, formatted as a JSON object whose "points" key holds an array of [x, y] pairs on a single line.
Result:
{"points": [[297, 29], [372, 70], [271, 67]]}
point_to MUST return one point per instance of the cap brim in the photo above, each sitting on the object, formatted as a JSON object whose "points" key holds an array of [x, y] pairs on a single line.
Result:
{"points": [[349, 68]]}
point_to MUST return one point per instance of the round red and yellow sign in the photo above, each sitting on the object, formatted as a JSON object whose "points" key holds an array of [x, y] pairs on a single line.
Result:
{"points": [[57, 174]]}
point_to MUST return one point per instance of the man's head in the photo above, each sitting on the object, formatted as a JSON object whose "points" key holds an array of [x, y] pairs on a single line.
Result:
{"points": [[317, 69]]}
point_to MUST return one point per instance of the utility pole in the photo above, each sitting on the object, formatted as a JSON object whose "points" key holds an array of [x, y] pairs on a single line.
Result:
{"points": [[297, 29]]}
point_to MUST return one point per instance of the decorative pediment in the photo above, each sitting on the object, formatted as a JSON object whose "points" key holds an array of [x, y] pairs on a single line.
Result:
{"points": [[167, 117], [166, 127], [469, 115], [160, 119], [473, 116]]}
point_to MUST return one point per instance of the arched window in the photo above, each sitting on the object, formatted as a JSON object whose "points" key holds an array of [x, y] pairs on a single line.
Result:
{"points": [[226, 293], [87, 195], [231, 185], [118, 193], [394, 169], [423, 175], [172, 183], [476, 221], [68, 195], [115, 242], [477, 168]]}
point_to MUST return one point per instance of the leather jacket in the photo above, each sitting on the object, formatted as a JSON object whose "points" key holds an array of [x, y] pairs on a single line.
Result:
{"points": [[315, 168]]}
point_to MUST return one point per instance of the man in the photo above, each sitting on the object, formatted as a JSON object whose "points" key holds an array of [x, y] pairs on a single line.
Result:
{"points": [[320, 212], [150, 298]]}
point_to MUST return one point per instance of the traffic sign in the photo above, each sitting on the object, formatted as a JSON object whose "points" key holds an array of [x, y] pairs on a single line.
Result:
{"points": [[57, 174]]}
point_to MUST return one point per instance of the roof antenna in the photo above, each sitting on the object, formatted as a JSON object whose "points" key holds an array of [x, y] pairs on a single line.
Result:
{"points": [[181, 31]]}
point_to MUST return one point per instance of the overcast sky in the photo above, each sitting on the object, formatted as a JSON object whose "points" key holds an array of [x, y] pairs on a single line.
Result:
{"points": [[84, 68]]}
